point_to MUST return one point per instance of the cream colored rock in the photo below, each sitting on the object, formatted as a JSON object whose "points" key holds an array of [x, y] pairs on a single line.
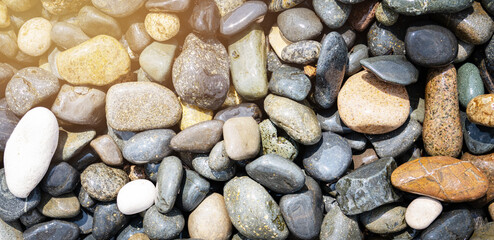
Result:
{"points": [[29, 150], [20, 5], [162, 26], [4, 15], [100, 61], [242, 138], [277, 41], [227, 6], [422, 211], [136, 196], [210, 221], [34, 36]]}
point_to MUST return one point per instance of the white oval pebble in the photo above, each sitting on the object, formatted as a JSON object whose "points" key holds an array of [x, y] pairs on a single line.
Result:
{"points": [[136, 196], [34, 37], [422, 211], [29, 150]]}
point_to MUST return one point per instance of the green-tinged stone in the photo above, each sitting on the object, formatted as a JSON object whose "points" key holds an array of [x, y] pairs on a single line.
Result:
{"points": [[281, 144], [470, 83]]}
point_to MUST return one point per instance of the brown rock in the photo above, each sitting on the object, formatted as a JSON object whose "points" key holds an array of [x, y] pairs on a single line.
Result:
{"points": [[364, 158], [64, 206], [363, 14], [491, 210], [198, 138], [480, 110], [137, 37], [210, 221], [135, 172], [441, 133], [242, 138], [485, 163], [107, 150], [441, 177]]}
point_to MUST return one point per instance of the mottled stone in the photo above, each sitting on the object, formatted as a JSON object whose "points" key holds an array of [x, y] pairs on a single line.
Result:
{"points": [[157, 60], [201, 73], [420, 7], [243, 16], [386, 15], [479, 110], [367, 188], [34, 36], [443, 178], [392, 68], [30, 87], [277, 41], [470, 83], [281, 5], [60, 179], [193, 190], [368, 105], [299, 24], [168, 183], [107, 220], [478, 139], [362, 15], [398, 141], [100, 61], [107, 150], [384, 40], [198, 138], [356, 54], [201, 165], [299, 121], [102, 182], [165, 226], [485, 163], [54, 229], [277, 143], [247, 52], [11, 207], [385, 219], [332, 12], [167, 5], [205, 17], [253, 211], [138, 106], [192, 115], [148, 146], [210, 221], [63, 206], [441, 107], [290, 82], [117, 8], [422, 211], [455, 224], [329, 158], [301, 52], [85, 200], [162, 26], [337, 225], [484, 232], [136, 196], [240, 110]]}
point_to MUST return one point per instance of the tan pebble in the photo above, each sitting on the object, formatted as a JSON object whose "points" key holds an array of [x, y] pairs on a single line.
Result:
{"points": [[192, 114], [232, 98], [242, 138], [422, 212], [480, 110], [210, 221], [62, 7], [277, 41], [20, 5], [162, 26], [34, 36], [4, 16]]}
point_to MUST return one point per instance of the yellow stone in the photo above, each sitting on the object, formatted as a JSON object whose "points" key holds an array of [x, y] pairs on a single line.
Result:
{"points": [[99, 61], [4, 15], [61, 7], [34, 37], [192, 114], [20, 5], [162, 26], [232, 98]]}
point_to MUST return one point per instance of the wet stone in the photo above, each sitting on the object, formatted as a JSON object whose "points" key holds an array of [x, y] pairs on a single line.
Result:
{"points": [[107, 220], [54, 229], [356, 54], [333, 13], [464, 51], [167, 226], [60, 179], [457, 223], [392, 68], [301, 52], [193, 190], [470, 83], [290, 82], [478, 139], [11, 207], [148, 146], [384, 40]]}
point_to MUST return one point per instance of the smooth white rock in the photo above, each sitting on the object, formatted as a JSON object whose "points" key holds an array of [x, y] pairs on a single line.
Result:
{"points": [[29, 150], [422, 211], [136, 196]]}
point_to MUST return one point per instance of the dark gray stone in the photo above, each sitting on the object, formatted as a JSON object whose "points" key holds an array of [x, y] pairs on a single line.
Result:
{"points": [[328, 159], [8, 121], [242, 17], [455, 224], [218, 159], [384, 40], [332, 12], [337, 225], [357, 53], [392, 68], [163, 226], [54, 229], [32, 218], [331, 121], [151, 170], [488, 6], [85, 222], [83, 159], [205, 17], [11, 207], [60, 179], [148, 146], [193, 190], [85, 200], [367, 188], [357, 141], [135, 226], [331, 68], [107, 220], [168, 183], [299, 24], [478, 139], [290, 82], [301, 52], [201, 165], [398, 141], [419, 7], [276, 173]]}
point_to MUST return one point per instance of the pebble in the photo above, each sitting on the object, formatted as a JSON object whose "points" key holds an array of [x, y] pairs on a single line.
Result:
{"points": [[240, 110], [133, 230], [192, 191], [210, 219], [198, 138], [386, 15], [441, 106], [9, 40], [227, 6], [34, 36], [205, 18], [102, 182], [331, 68], [136, 196], [104, 226], [218, 159], [299, 24], [280, 5], [484, 232], [277, 142], [63, 206], [385, 40], [192, 115], [290, 82], [364, 158], [148, 146], [201, 165], [117, 8], [11, 207], [479, 110], [240, 18], [457, 224], [478, 139], [253, 212], [484, 164], [392, 69], [397, 142], [203, 62], [54, 229], [80, 105], [31, 218], [100, 61], [162, 26], [85, 222], [470, 83], [59, 8], [167, 5], [464, 51], [10, 230], [241, 138], [107, 150], [357, 141], [164, 226], [30, 87], [385, 219], [301, 52], [422, 211], [329, 158], [330, 121], [337, 225], [277, 41], [138, 106], [168, 183], [356, 54], [137, 37], [60, 179], [332, 12], [94, 22], [85, 200], [362, 15], [367, 188], [157, 60], [4, 16], [29, 150], [248, 59], [430, 45], [460, 181], [299, 121], [427, 6], [365, 91]]}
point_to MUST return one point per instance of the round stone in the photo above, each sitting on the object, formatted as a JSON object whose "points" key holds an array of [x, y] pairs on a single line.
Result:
{"points": [[242, 138], [163, 226], [290, 82], [60, 179], [422, 211], [34, 36], [102, 182], [299, 24], [136, 196], [470, 83], [148, 146], [210, 221], [118, 8], [333, 13], [162, 26]]}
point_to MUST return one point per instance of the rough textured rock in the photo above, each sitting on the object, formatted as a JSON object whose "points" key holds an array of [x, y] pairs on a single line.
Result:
{"points": [[337, 225], [102, 182]]}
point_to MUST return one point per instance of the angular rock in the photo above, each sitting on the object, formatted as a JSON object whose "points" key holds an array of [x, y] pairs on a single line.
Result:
{"points": [[337, 225], [102, 182]]}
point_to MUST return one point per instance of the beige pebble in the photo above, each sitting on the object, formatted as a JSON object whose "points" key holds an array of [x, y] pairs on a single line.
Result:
{"points": [[422, 211], [242, 138], [277, 41], [20, 5], [210, 221], [107, 150], [4, 15], [162, 26], [34, 36], [62, 7]]}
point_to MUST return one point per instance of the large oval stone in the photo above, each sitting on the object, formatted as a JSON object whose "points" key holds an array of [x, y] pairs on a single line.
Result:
{"points": [[444, 178], [253, 212], [29, 151], [419, 7], [168, 182], [99, 61], [148, 146], [369, 105], [102, 182]]}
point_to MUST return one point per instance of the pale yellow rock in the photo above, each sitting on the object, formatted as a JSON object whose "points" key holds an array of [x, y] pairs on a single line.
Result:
{"points": [[34, 37], [277, 41], [162, 26], [227, 6], [232, 98], [4, 15], [99, 61], [20, 5], [45, 66], [61, 7], [192, 114]]}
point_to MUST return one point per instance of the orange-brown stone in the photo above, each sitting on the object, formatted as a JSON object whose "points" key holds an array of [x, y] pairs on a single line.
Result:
{"points": [[441, 177], [485, 163]]}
